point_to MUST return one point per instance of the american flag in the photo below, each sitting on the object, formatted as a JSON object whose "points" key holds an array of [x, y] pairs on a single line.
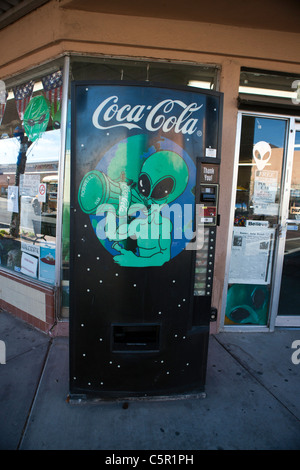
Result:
{"points": [[3, 98], [53, 90], [22, 96]]}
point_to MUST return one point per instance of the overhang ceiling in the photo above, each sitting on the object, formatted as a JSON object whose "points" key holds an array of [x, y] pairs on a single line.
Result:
{"points": [[275, 15], [278, 15], [12, 10]]}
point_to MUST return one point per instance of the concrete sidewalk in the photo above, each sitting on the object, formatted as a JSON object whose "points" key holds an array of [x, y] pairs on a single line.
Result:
{"points": [[252, 386]]}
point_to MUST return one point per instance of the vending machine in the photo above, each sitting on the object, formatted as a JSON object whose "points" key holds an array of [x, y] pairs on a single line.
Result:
{"points": [[144, 212]]}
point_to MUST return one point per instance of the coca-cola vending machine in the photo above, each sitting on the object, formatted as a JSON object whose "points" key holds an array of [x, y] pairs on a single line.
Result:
{"points": [[144, 211]]}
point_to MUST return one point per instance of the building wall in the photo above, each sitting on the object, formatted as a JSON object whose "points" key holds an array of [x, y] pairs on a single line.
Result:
{"points": [[33, 304], [53, 30]]}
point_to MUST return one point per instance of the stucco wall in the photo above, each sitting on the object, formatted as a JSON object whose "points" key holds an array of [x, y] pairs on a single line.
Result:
{"points": [[52, 29]]}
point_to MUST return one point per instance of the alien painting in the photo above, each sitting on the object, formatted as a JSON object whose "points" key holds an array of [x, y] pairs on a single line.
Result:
{"points": [[129, 198]]}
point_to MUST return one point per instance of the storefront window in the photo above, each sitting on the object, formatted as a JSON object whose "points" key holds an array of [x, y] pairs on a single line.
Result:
{"points": [[201, 76], [29, 156], [269, 91], [64, 311]]}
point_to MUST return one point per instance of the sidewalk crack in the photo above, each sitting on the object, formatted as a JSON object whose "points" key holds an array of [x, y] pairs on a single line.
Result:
{"points": [[34, 394]]}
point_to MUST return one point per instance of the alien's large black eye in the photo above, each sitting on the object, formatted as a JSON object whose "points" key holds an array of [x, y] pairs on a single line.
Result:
{"points": [[42, 118], [239, 314], [163, 188], [144, 185]]}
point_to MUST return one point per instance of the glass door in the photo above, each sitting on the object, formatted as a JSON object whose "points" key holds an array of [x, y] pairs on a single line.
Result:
{"points": [[289, 298], [261, 155]]}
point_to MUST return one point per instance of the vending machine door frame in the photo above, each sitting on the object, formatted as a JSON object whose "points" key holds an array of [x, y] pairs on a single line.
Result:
{"points": [[152, 347]]}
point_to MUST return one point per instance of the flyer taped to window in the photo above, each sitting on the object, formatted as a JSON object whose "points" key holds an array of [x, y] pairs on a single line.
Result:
{"points": [[251, 255]]}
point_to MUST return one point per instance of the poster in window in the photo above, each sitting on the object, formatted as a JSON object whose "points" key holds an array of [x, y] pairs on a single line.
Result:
{"points": [[264, 192], [13, 199], [251, 255], [47, 263]]}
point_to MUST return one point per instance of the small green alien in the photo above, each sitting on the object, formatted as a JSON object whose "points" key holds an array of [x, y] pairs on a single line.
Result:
{"points": [[163, 178], [36, 117]]}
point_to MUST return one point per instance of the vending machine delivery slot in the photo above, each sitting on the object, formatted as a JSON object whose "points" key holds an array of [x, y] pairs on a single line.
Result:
{"points": [[135, 338]]}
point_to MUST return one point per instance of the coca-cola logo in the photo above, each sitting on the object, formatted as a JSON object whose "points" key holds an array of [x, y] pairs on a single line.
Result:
{"points": [[166, 115]]}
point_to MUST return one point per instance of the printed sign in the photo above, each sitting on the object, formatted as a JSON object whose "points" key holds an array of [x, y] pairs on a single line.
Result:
{"points": [[257, 223], [30, 249], [13, 199], [211, 153], [265, 186], [295, 211], [29, 265], [29, 185], [251, 256], [42, 192], [209, 173], [47, 263]]}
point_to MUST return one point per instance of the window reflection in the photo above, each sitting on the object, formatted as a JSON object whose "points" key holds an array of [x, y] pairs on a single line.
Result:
{"points": [[257, 208], [29, 155]]}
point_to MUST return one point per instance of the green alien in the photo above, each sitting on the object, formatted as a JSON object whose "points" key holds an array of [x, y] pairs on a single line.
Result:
{"points": [[162, 179], [247, 303], [36, 117]]}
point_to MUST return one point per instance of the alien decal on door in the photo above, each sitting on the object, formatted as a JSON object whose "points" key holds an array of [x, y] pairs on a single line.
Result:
{"points": [[130, 199]]}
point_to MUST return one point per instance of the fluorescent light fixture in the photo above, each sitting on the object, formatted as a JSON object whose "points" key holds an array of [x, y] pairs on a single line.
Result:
{"points": [[268, 92], [199, 84], [252, 164]]}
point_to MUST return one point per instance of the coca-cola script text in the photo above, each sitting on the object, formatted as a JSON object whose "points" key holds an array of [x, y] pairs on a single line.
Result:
{"points": [[164, 115]]}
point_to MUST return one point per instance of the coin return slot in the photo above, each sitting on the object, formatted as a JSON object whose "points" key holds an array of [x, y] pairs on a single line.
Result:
{"points": [[133, 338]]}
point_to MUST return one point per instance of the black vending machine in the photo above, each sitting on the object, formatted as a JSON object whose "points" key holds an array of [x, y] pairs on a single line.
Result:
{"points": [[145, 163]]}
